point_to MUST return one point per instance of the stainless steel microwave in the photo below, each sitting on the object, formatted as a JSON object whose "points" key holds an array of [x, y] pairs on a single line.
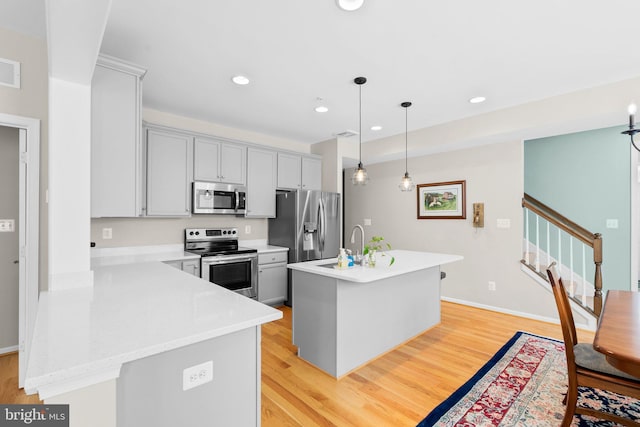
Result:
{"points": [[213, 198]]}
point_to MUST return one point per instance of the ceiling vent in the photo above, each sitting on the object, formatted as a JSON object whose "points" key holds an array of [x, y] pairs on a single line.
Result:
{"points": [[347, 133], [9, 73]]}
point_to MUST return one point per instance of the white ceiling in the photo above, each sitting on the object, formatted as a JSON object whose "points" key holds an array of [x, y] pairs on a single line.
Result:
{"points": [[435, 54]]}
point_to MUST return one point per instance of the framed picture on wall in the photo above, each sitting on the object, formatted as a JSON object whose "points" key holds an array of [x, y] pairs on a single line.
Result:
{"points": [[442, 200]]}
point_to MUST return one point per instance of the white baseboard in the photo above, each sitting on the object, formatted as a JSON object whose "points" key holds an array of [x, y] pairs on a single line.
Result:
{"points": [[513, 312], [9, 349]]}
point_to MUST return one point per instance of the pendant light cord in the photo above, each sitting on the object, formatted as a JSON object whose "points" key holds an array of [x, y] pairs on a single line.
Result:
{"points": [[360, 129], [406, 145]]}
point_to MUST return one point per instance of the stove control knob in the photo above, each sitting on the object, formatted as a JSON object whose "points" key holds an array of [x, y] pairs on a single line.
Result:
{"points": [[197, 233], [234, 231], [191, 233], [224, 231]]}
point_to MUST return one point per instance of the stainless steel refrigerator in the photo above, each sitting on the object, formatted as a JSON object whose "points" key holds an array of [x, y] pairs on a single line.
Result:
{"points": [[308, 223]]}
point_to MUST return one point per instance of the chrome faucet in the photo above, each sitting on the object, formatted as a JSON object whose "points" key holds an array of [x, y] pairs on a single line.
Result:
{"points": [[353, 239]]}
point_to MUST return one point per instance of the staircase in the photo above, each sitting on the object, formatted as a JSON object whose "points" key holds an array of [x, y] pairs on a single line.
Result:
{"points": [[548, 237]]}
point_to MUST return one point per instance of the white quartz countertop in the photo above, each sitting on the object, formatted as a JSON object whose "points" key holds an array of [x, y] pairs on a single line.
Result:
{"points": [[101, 257], [405, 262], [266, 249], [83, 336]]}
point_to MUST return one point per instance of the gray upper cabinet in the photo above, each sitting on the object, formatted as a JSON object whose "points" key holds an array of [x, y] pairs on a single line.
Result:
{"points": [[262, 168], [311, 173], [299, 172], [116, 95], [218, 161], [289, 171], [169, 173]]}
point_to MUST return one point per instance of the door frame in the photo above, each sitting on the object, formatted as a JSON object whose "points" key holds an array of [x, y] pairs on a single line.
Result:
{"points": [[29, 232], [635, 219]]}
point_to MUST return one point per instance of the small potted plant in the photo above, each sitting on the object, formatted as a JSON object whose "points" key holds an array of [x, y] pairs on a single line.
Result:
{"points": [[374, 246]]}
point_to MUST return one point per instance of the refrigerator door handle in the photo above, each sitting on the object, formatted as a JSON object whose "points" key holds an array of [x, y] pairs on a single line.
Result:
{"points": [[323, 230], [320, 226]]}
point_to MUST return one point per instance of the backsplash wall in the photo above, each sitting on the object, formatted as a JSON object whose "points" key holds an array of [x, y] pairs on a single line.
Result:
{"points": [[165, 231]]}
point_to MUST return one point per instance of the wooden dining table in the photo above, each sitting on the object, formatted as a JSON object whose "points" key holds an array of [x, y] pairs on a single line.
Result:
{"points": [[618, 332]]}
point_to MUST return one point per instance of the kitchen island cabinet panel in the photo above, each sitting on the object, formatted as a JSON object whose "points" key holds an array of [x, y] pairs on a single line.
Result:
{"points": [[169, 172], [272, 278]]}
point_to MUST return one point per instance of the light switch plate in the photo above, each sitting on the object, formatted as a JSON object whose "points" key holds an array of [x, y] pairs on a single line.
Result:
{"points": [[612, 223], [7, 225], [107, 233], [503, 223], [367, 221]]}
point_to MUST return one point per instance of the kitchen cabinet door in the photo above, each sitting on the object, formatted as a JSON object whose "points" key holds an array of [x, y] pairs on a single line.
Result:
{"points": [[216, 161], [233, 164], [311, 173], [191, 266], [169, 172], [206, 160], [261, 183], [116, 95], [272, 283], [289, 167]]}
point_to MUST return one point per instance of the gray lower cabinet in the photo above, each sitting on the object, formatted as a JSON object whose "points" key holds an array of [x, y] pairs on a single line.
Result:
{"points": [[169, 173], [191, 266], [272, 278]]}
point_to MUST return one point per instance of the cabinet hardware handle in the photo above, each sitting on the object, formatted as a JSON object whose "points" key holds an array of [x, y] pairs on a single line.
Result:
{"points": [[16, 262]]}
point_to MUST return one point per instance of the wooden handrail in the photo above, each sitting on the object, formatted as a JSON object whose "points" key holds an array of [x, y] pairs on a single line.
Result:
{"points": [[593, 240]]}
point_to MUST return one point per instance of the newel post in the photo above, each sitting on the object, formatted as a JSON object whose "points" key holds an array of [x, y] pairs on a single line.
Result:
{"points": [[597, 283]]}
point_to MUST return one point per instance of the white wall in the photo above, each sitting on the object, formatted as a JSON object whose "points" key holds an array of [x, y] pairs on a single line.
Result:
{"points": [[31, 100], [494, 176]]}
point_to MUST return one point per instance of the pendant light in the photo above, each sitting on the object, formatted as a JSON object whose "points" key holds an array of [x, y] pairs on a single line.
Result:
{"points": [[407, 183], [360, 175]]}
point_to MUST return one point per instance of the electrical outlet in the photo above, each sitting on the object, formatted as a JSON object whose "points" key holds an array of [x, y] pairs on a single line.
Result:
{"points": [[367, 221], [492, 286], [247, 229], [107, 233], [197, 375]]}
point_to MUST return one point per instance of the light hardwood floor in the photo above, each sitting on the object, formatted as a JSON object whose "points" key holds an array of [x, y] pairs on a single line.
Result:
{"points": [[397, 389]]}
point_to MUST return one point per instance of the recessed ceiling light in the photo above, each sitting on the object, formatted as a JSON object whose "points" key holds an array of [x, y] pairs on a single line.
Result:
{"points": [[321, 109], [240, 80], [376, 128], [477, 99], [350, 5]]}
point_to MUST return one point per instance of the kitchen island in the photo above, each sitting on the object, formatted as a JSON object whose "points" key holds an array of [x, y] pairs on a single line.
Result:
{"points": [[343, 318], [119, 352]]}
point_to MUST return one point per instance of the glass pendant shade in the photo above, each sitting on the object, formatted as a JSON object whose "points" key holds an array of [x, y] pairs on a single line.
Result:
{"points": [[360, 176], [407, 183]]}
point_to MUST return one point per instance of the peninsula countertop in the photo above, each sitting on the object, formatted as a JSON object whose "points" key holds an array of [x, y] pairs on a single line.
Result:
{"points": [[405, 262], [83, 336]]}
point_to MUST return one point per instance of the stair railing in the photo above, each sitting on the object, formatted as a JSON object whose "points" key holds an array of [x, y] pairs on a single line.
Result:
{"points": [[539, 251]]}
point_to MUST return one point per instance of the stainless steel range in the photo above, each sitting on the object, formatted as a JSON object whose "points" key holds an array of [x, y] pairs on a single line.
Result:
{"points": [[223, 262]]}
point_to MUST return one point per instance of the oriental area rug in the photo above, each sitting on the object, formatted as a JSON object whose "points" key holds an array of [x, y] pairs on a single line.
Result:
{"points": [[524, 385]]}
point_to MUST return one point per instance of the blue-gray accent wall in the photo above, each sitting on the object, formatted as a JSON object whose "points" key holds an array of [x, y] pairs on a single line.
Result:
{"points": [[586, 177]]}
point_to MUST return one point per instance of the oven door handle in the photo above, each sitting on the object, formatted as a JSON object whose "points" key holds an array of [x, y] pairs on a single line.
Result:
{"points": [[225, 258]]}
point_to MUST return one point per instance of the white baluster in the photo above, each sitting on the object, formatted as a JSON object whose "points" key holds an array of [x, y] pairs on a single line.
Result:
{"points": [[560, 252], [548, 245], [537, 243], [584, 276], [571, 286], [526, 240]]}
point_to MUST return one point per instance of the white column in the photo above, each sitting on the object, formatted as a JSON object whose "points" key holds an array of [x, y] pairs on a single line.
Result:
{"points": [[74, 35], [69, 184]]}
